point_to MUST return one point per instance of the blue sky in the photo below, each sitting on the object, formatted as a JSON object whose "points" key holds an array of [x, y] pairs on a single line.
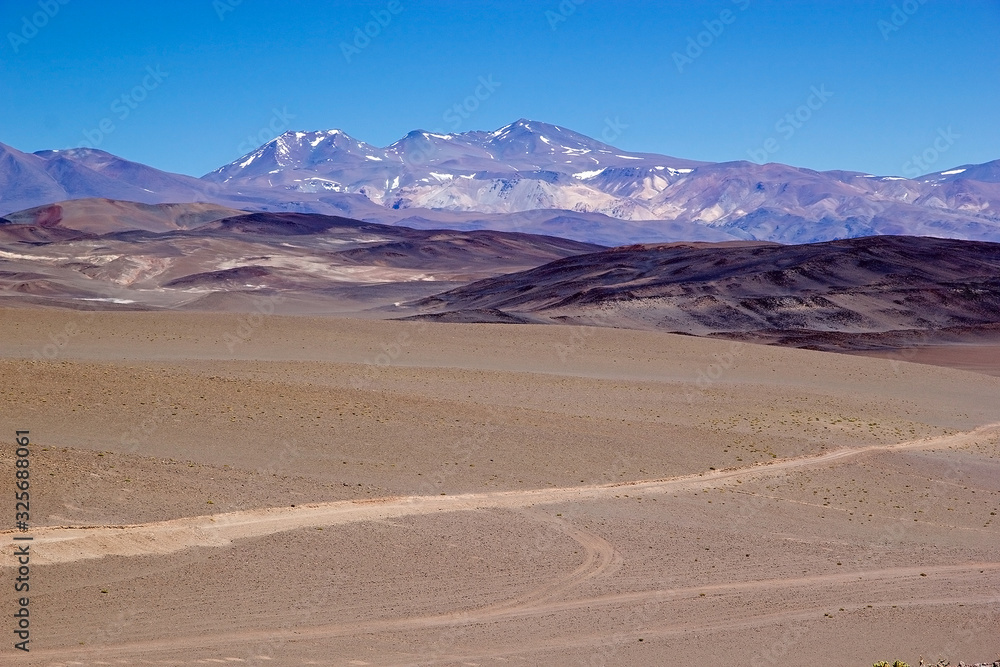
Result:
{"points": [[188, 86]]}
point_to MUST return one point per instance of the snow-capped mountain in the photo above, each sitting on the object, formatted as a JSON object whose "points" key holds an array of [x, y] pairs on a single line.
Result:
{"points": [[529, 165], [523, 166], [28, 180], [533, 177], [988, 172]]}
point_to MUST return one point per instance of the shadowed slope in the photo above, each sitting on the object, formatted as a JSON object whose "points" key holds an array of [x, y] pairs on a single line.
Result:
{"points": [[818, 294]]}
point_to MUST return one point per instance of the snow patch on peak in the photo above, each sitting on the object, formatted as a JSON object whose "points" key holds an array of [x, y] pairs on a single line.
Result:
{"points": [[250, 159], [504, 130], [953, 171]]}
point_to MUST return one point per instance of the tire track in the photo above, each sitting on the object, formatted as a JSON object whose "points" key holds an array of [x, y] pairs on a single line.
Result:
{"points": [[844, 581], [64, 544], [599, 555]]}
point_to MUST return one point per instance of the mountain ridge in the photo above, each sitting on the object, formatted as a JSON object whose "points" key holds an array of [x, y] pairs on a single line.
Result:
{"points": [[847, 294], [550, 178]]}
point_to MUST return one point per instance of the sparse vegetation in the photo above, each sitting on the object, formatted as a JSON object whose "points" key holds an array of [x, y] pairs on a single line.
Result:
{"points": [[939, 663]]}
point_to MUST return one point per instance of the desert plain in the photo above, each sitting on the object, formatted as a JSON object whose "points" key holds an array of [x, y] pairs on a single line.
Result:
{"points": [[219, 488]]}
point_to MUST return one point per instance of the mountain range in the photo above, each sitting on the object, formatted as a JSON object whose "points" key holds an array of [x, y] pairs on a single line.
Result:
{"points": [[532, 177], [96, 253], [864, 293]]}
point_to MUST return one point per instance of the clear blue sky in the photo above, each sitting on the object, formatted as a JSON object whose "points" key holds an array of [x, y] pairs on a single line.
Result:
{"points": [[894, 85]]}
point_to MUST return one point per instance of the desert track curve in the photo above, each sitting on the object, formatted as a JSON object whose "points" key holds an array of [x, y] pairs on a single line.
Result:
{"points": [[807, 608], [63, 544], [70, 544]]}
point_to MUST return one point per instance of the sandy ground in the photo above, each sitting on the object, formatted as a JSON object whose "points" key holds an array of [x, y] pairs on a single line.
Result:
{"points": [[978, 358], [238, 489]]}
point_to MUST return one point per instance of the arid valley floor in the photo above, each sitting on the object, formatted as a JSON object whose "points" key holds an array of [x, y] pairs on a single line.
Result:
{"points": [[327, 491]]}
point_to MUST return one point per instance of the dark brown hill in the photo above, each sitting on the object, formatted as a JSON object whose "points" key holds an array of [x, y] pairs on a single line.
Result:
{"points": [[833, 295]]}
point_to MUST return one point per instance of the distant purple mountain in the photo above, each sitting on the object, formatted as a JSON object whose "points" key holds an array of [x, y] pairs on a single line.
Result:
{"points": [[28, 180], [534, 177], [988, 172]]}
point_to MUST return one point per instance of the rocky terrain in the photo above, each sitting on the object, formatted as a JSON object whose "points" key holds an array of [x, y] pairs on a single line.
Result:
{"points": [[91, 253], [885, 291]]}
